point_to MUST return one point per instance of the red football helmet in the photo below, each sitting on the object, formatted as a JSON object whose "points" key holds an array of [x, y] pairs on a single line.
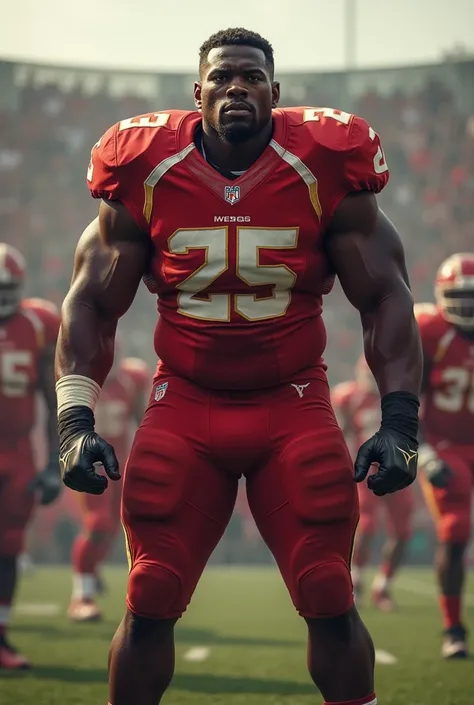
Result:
{"points": [[364, 377], [454, 290], [12, 276]]}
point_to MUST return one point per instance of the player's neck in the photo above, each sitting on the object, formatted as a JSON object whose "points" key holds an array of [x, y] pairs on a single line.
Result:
{"points": [[230, 157]]}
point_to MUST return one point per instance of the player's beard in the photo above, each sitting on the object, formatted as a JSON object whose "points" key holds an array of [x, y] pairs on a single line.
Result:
{"points": [[236, 131]]}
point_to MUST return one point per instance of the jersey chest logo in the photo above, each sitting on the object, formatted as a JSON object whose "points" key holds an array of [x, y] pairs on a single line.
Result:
{"points": [[232, 194]]}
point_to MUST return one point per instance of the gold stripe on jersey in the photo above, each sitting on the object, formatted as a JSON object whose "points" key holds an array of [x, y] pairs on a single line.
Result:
{"points": [[159, 171], [304, 172]]}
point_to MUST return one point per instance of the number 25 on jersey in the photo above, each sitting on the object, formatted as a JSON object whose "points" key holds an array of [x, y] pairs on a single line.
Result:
{"points": [[249, 243]]}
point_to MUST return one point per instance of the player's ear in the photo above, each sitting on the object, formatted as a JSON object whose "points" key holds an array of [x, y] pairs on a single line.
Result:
{"points": [[197, 95], [275, 93]]}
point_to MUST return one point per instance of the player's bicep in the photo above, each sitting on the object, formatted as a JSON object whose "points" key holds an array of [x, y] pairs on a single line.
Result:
{"points": [[111, 257], [366, 252]]}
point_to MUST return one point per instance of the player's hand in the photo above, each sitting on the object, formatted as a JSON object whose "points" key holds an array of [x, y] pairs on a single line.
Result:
{"points": [[396, 458], [80, 449], [434, 469], [48, 482]]}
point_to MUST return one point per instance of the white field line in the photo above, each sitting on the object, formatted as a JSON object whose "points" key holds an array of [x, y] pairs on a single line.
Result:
{"points": [[197, 654], [38, 609], [384, 657]]}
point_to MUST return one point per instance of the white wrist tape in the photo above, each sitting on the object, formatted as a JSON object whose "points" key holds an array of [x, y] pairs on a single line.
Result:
{"points": [[76, 390], [426, 454]]}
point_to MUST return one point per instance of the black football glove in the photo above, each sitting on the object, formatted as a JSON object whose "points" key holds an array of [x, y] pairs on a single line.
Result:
{"points": [[80, 449], [48, 481], [394, 447], [434, 469]]}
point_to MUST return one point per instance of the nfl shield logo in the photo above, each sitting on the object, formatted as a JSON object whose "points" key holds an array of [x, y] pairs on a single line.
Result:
{"points": [[232, 194], [160, 391]]}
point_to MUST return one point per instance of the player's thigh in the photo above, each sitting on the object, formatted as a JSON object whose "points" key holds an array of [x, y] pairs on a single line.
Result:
{"points": [[450, 506], [176, 505], [96, 511], [368, 508], [399, 508], [16, 500], [305, 505]]}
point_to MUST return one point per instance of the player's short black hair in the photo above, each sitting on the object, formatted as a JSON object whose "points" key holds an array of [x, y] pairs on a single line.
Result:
{"points": [[237, 36]]}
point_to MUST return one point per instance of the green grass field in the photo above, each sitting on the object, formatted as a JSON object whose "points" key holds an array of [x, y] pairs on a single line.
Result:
{"points": [[252, 645]]}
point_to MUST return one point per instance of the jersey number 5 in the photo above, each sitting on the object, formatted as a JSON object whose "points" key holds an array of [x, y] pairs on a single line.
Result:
{"points": [[14, 375], [249, 243]]}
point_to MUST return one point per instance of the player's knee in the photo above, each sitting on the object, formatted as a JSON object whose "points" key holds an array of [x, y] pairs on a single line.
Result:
{"points": [[325, 590], [455, 528], [155, 592], [320, 481], [156, 476]]}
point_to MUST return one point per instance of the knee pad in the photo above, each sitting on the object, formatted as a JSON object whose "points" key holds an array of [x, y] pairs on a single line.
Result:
{"points": [[325, 590], [155, 592], [454, 527]]}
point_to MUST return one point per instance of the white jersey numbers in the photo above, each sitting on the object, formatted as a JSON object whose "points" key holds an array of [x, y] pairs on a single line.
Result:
{"points": [[249, 244]]}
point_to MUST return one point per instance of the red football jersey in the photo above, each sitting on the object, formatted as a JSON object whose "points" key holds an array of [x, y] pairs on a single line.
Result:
{"points": [[239, 265], [448, 400], [121, 397], [23, 340], [357, 411]]}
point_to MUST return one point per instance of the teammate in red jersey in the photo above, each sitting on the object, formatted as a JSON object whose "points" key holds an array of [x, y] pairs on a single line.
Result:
{"points": [[447, 454], [357, 407], [28, 332], [122, 403], [239, 215]]}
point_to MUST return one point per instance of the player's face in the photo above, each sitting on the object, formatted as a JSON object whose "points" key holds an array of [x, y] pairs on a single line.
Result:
{"points": [[236, 94]]}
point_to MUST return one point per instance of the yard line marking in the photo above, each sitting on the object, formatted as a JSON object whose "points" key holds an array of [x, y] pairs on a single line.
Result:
{"points": [[384, 658], [419, 587], [38, 609], [197, 654]]}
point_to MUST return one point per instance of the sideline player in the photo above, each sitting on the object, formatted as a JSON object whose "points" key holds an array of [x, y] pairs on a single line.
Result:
{"points": [[121, 404], [28, 332], [239, 215], [357, 407], [447, 454]]}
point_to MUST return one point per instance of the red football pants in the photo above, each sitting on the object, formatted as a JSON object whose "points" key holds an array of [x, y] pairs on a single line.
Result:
{"points": [[450, 506], [17, 470], [181, 480], [397, 509]]}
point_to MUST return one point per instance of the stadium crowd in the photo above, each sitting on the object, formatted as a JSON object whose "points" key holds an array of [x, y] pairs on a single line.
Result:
{"points": [[46, 139]]}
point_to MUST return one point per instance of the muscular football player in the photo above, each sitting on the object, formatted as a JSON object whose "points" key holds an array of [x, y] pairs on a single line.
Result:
{"points": [[357, 407], [447, 454], [122, 402], [239, 215], [28, 332]]}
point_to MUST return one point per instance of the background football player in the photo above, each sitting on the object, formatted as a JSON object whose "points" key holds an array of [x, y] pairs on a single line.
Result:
{"points": [[447, 454], [28, 332], [120, 409], [357, 406]]}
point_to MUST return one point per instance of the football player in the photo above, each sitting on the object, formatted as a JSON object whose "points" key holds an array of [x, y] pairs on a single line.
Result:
{"points": [[447, 453], [121, 404], [239, 215], [357, 407], [28, 332]]}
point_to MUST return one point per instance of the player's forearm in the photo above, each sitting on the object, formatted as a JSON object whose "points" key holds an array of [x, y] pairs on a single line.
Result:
{"points": [[86, 340], [392, 344]]}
